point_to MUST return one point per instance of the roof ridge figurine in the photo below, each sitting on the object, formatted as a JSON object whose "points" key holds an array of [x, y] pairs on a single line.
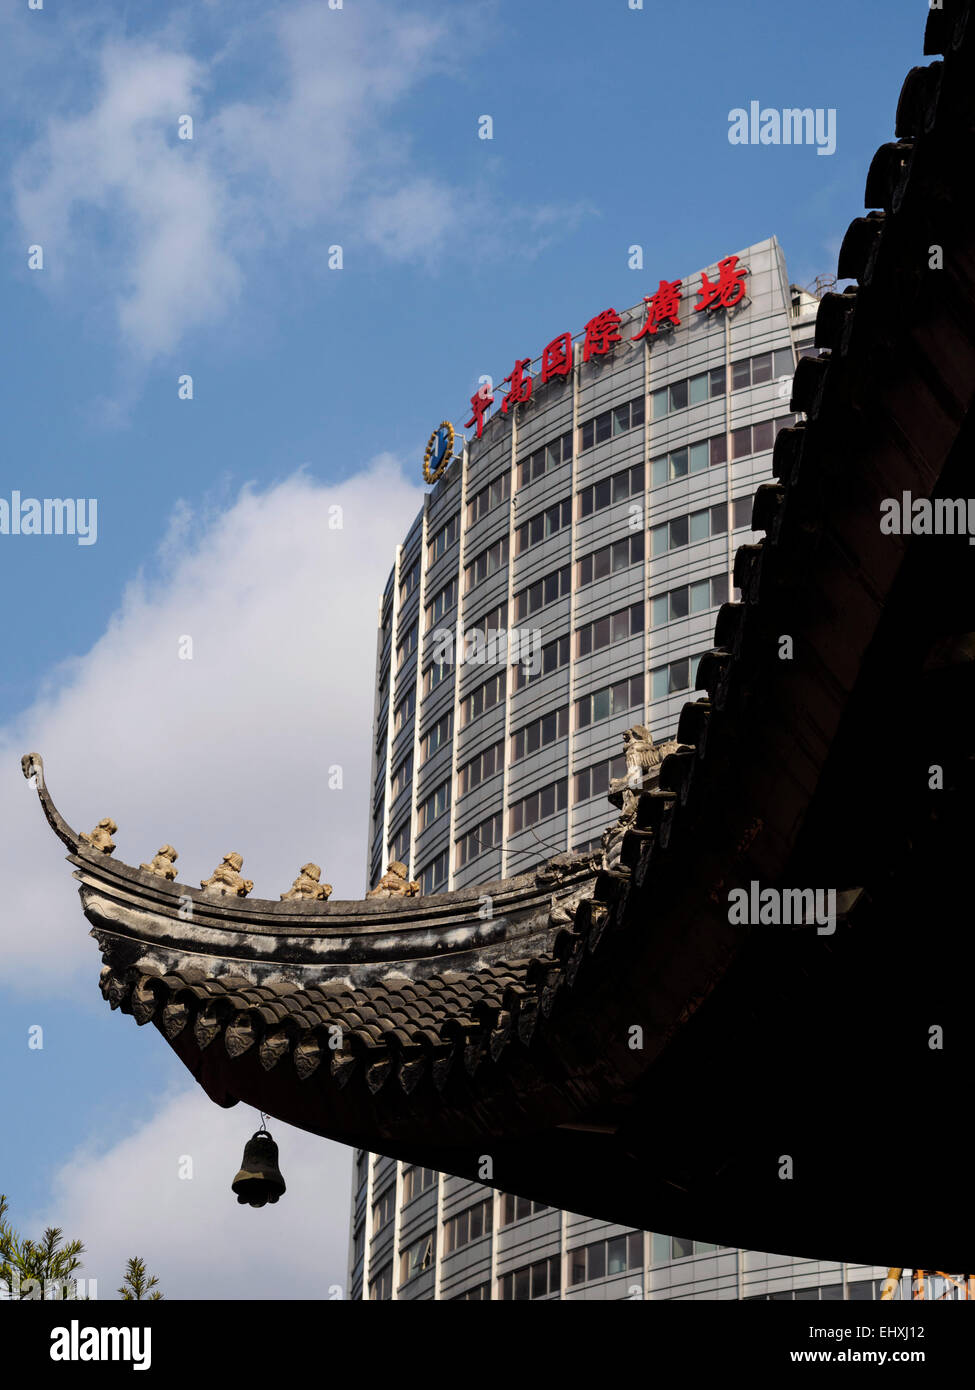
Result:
{"points": [[226, 880], [101, 836], [395, 883], [308, 885], [162, 864]]}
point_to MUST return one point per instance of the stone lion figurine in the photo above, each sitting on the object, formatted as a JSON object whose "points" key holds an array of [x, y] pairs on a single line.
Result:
{"points": [[308, 885], [226, 880], [395, 883], [101, 836], [162, 863]]}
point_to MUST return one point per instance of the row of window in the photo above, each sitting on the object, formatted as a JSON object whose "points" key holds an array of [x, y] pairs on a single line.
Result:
{"points": [[540, 461], [663, 1248], [594, 781], [629, 482], [432, 807], [674, 677], [488, 562], [483, 837], [537, 1280], [484, 697], [480, 768], [610, 559], [543, 524], [612, 422], [611, 700], [698, 526], [603, 1257], [554, 655], [615, 627], [417, 1180], [705, 386], [434, 876], [538, 806], [468, 1225], [689, 599], [445, 600], [540, 733], [489, 497]]}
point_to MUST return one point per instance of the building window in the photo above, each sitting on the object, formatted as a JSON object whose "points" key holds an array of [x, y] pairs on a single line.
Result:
{"points": [[616, 627], [594, 781], [480, 768], [606, 1257], [543, 592], [417, 1180], [679, 463], [483, 698], [684, 530], [494, 558], [610, 559], [542, 460], [444, 538], [483, 837], [533, 1281], [554, 656], [539, 806], [673, 678], [517, 1208], [435, 874], [406, 647], [482, 1294], [488, 498], [689, 599], [437, 737], [410, 580], [612, 422], [540, 733], [402, 777], [404, 710], [381, 1287], [399, 846], [383, 1209], [467, 1226], [442, 604], [432, 807], [495, 620], [416, 1258], [627, 483], [434, 674], [543, 524], [611, 700]]}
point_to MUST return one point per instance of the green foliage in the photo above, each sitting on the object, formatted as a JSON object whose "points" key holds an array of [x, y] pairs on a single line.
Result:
{"points": [[136, 1284], [51, 1260], [54, 1262]]}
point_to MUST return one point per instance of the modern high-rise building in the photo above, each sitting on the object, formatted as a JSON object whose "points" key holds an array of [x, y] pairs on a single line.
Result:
{"points": [[559, 585]]}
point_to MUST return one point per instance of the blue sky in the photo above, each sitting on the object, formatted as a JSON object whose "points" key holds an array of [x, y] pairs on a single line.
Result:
{"points": [[312, 127]]}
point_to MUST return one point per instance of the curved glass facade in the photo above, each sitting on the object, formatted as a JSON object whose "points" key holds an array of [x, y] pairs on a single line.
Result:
{"points": [[558, 586]]}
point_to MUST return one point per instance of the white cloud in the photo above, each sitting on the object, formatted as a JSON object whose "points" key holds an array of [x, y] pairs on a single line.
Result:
{"points": [[300, 131], [192, 1232], [230, 750]]}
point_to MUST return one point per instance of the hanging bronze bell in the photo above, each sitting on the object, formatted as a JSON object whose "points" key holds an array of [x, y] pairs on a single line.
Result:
{"points": [[259, 1180]]}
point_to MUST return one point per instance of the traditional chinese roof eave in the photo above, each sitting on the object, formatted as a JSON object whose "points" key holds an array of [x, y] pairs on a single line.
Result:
{"points": [[754, 1043]]}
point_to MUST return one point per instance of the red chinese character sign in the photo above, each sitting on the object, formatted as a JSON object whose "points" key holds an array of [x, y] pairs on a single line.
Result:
{"points": [[662, 307], [601, 333], [557, 357], [727, 291], [521, 385], [481, 401]]}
